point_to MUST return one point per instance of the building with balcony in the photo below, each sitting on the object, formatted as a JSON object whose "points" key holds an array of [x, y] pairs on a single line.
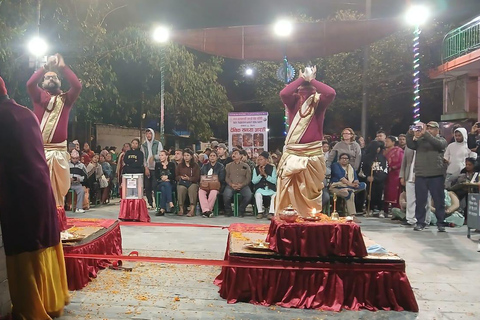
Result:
{"points": [[460, 72]]}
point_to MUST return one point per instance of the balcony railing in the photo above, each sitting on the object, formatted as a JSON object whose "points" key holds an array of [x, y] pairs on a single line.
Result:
{"points": [[462, 40]]}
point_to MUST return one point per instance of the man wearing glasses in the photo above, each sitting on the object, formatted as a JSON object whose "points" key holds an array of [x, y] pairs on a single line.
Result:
{"points": [[429, 171], [52, 108]]}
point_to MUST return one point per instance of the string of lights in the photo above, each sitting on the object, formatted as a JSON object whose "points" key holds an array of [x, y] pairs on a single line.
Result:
{"points": [[416, 75]]}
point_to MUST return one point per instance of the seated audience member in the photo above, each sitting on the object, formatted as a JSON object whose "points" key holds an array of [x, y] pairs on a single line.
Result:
{"points": [[264, 181], [247, 160], [344, 181], [238, 177], [165, 175], [94, 173], [207, 195], [187, 175], [469, 174], [78, 177], [326, 149]]}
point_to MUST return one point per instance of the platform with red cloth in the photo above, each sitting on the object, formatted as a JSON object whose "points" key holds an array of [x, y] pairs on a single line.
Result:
{"points": [[330, 283], [133, 210], [97, 236], [316, 239]]}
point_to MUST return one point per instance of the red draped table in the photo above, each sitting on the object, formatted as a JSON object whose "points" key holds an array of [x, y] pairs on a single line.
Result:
{"points": [[327, 283], [134, 210], [104, 238], [316, 239]]}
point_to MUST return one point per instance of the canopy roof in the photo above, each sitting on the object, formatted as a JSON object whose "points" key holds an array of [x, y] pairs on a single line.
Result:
{"points": [[307, 41]]}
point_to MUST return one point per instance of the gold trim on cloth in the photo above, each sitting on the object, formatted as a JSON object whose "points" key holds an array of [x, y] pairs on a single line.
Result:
{"points": [[51, 117], [302, 119], [301, 170]]}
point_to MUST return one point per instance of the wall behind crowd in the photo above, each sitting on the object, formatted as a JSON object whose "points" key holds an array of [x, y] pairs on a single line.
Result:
{"points": [[109, 135]]}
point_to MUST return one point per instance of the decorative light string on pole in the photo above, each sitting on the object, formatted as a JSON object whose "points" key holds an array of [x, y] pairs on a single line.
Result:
{"points": [[416, 16], [416, 75], [283, 29]]}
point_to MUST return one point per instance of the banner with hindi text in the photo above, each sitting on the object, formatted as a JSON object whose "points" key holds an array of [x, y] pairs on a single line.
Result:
{"points": [[248, 130]]}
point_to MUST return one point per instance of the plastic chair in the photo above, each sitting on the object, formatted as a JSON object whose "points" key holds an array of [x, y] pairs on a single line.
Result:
{"points": [[236, 203], [72, 192], [158, 195]]}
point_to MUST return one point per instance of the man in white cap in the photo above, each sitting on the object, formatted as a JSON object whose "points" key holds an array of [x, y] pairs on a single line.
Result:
{"points": [[429, 172]]}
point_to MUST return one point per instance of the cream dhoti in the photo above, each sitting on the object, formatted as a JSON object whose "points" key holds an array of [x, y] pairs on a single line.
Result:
{"points": [[301, 170]]}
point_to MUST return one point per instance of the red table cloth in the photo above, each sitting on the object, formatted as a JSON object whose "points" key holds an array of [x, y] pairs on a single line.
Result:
{"points": [[134, 209], [79, 271], [62, 219], [316, 239], [331, 287]]}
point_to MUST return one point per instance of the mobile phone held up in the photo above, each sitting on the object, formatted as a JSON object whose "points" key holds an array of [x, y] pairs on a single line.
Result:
{"points": [[416, 127]]}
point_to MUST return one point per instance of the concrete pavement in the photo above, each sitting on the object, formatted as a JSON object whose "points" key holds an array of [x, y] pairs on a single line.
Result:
{"points": [[443, 269]]}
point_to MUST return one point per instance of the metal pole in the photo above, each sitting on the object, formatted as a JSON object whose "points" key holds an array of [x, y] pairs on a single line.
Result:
{"points": [[39, 10], [366, 55], [285, 65], [162, 97]]}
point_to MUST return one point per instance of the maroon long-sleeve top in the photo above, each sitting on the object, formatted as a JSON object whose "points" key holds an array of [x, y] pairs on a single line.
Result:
{"points": [[27, 207], [293, 100], [40, 99]]}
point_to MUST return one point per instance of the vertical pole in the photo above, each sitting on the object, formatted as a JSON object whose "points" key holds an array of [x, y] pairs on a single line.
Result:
{"points": [[366, 54], [39, 9], [142, 102], [162, 96], [416, 75], [285, 65]]}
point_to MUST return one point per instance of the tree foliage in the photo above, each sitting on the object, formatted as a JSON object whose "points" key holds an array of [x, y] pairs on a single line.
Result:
{"points": [[119, 69]]}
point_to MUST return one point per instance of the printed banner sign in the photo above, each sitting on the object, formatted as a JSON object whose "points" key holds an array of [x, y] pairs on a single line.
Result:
{"points": [[248, 130]]}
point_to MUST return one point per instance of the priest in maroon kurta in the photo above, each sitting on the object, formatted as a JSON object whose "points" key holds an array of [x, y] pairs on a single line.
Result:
{"points": [[301, 170], [52, 108], [35, 264]]}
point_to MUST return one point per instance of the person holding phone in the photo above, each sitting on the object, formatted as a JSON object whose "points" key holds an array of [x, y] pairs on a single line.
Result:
{"points": [[473, 139]]}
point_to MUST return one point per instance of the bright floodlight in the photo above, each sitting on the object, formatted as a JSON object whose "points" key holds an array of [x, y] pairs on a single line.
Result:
{"points": [[417, 15], [249, 71], [283, 28], [37, 47], [161, 34]]}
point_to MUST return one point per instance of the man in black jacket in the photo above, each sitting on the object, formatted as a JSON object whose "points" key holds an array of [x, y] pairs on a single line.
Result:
{"points": [[429, 172]]}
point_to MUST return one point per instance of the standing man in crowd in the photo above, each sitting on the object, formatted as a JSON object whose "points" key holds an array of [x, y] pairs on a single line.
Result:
{"points": [[151, 149], [78, 177], [237, 178], [407, 179], [34, 255], [402, 141], [52, 107], [429, 172], [301, 170], [381, 136]]}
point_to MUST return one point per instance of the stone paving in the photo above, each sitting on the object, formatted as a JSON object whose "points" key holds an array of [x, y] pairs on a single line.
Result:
{"points": [[443, 269]]}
